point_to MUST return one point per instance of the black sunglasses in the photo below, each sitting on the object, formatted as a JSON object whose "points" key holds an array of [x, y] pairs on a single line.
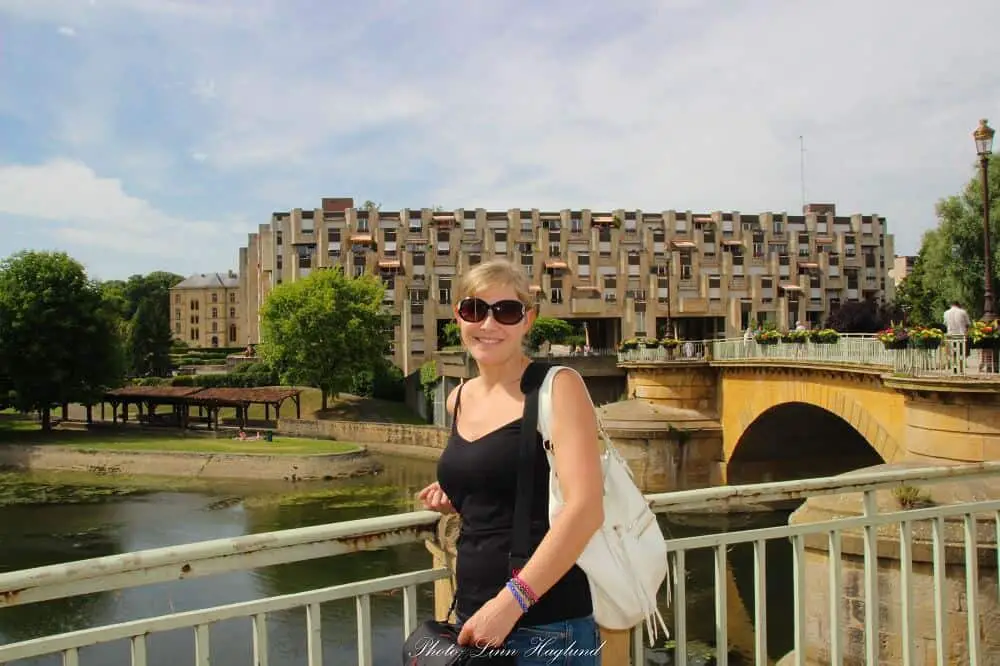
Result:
{"points": [[475, 310]]}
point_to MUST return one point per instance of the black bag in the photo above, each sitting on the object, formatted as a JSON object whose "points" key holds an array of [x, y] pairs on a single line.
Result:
{"points": [[435, 643]]}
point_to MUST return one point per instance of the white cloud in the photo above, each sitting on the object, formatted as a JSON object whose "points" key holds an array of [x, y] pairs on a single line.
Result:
{"points": [[561, 104], [85, 208], [66, 31]]}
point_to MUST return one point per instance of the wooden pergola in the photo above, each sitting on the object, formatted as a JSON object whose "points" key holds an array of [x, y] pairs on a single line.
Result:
{"points": [[214, 399], [208, 402], [147, 399]]}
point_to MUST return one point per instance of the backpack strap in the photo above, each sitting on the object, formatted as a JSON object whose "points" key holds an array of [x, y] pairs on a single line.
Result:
{"points": [[520, 549]]}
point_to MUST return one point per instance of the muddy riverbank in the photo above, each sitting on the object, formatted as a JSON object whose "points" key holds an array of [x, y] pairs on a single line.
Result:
{"points": [[288, 467]]}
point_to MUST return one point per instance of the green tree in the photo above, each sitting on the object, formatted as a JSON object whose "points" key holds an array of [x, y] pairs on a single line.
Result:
{"points": [[141, 305], [324, 329], [952, 255], [548, 328], [58, 342]]}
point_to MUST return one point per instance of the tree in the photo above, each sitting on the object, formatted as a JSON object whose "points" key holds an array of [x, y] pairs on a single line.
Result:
{"points": [[862, 317], [324, 329], [951, 260], [142, 307], [548, 328], [58, 342]]}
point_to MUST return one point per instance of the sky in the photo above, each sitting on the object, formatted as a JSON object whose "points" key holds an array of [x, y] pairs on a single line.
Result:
{"points": [[142, 135]]}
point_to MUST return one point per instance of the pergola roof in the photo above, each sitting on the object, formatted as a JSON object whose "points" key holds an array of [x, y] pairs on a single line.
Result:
{"points": [[197, 394], [247, 395], [154, 392]]}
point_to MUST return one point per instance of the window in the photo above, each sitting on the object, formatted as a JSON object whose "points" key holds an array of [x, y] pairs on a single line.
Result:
{"points": [[215, 327], [554, 249], [444, 291], [177, 313], [232, 297], [714, 282], [333, 235], [232, 313], [277, 238], [575, 225], [177, 298], [232, 332], [215, 298]]}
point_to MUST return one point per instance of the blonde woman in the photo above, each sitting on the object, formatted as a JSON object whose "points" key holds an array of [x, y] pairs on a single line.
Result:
{"points": [[543, 613]]}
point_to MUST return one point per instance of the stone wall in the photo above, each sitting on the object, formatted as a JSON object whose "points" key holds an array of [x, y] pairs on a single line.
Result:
{"points": [[395, 438], [187, 464], [680, 386], [662, 462]]}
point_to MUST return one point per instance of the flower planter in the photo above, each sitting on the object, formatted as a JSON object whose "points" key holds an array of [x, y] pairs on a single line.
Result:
{"points": [[897, 344], [927, 344]]}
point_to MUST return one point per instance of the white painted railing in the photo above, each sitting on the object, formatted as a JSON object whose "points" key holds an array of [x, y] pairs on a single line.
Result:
{"points": [[220, 556], [687, 351], [877, 532], [874, 529], [952, 357]]}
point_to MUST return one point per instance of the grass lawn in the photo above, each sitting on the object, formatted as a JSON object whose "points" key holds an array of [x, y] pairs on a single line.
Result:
{"points": [[14, 430]]}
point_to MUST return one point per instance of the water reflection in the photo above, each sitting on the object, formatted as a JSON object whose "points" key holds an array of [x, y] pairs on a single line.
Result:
{"points": [[33, 536]]}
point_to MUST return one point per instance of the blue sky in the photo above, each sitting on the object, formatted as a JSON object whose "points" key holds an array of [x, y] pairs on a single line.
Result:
{"points": [[143, 135]]}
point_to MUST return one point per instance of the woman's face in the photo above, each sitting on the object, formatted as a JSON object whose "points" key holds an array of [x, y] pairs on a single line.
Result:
{"points": [[493, 335]]}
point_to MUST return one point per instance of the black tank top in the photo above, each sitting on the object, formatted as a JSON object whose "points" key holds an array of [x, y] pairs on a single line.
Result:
{"points": [[480, 479]]}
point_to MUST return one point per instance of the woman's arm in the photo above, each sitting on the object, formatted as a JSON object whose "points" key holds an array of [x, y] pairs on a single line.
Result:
{"points": [[577, 452], [576, 449]]}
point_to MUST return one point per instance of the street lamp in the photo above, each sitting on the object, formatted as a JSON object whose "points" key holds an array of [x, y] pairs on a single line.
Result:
{"points": [[984, 148]]}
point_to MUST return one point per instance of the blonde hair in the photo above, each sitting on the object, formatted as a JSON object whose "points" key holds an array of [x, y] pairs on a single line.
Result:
{"points": [[494, 273]]}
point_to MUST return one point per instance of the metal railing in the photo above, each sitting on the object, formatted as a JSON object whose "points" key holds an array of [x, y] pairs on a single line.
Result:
{"points": [[927, 527], [221, 556], [909, 528], [952, 357], [687, 351]]}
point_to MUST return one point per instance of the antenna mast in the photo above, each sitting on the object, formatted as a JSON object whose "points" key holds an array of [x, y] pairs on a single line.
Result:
{"points": [[802, 170]]}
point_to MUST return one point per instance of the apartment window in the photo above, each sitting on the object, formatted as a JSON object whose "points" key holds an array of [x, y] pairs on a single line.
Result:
{"points": [[232, 313], [232, 297], [834, 259], [604, 234], [277, 238], [444, 242], [419, 259], [363, 222], [194, 305], [194, 334], [556, 295], [416, 224], [177, 314], [583, 264], [575, 225], [499, 235], [332, 235], [232, 333], [475, 258], [610, 288], [686, 269], [803, 245], [852, 279], [778, 227], [554, 250], [714, 282], [278, 264], [444, 291], [215, 313], [766, 283]]}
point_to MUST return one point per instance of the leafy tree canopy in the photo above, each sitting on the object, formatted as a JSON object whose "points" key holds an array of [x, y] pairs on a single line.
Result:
{"points": [[142, 307], [549, 328], [324, 329], [951, 262], [57, 333]]}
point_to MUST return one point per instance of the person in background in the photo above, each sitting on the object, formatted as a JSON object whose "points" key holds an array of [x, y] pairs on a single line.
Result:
{"points": [[956, 320]]}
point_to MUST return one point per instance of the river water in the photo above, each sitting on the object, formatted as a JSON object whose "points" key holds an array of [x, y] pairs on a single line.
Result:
{"points": [[64, 529]]}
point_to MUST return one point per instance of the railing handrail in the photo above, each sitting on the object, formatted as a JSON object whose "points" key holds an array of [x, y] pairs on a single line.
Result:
{"points": [[192, 560], [195, 559], [850, 482]]}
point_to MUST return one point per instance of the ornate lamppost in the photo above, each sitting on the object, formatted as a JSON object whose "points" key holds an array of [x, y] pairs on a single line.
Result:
{"points": [[984, 147]]}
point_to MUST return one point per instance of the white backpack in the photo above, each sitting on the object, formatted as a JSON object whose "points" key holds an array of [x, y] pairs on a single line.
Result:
{"points": [[626, 559]]}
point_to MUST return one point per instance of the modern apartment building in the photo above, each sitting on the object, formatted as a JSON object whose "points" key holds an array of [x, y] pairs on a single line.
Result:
{"points": [[622, 272], [206, 310], [902, 266]]}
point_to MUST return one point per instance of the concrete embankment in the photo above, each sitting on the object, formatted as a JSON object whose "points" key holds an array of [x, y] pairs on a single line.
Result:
{"points": [[188, 464]]}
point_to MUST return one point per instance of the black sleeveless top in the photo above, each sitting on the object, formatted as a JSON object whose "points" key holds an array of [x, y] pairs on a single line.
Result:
{"points": [[480, 479]]}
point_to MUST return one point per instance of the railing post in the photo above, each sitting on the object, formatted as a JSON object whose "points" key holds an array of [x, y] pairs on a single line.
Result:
{"points": [[443, 550]]}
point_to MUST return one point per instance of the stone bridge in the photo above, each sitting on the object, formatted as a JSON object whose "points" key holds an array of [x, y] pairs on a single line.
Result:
{"points": [[712, 422]]}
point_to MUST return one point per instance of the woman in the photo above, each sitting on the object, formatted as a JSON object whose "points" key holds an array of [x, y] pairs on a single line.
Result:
{"points": [[543, 614]]}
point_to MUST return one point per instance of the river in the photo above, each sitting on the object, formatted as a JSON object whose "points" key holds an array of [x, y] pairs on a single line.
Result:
{"points": [[74, 523]]}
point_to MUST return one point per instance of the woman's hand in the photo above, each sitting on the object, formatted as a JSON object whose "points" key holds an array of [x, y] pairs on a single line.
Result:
{"points": [[492, 623], [434, 499]]}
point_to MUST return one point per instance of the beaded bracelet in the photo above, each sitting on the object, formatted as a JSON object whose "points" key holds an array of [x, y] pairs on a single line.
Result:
{"points": [[517, 595], [525, 588]]}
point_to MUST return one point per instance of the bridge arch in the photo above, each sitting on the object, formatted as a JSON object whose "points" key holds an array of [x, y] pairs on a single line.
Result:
{"points": [[797, 440]]}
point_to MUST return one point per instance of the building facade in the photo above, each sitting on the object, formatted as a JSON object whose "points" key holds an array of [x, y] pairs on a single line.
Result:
{"points": [[206, 310], [902, 266], [623, 273]]}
